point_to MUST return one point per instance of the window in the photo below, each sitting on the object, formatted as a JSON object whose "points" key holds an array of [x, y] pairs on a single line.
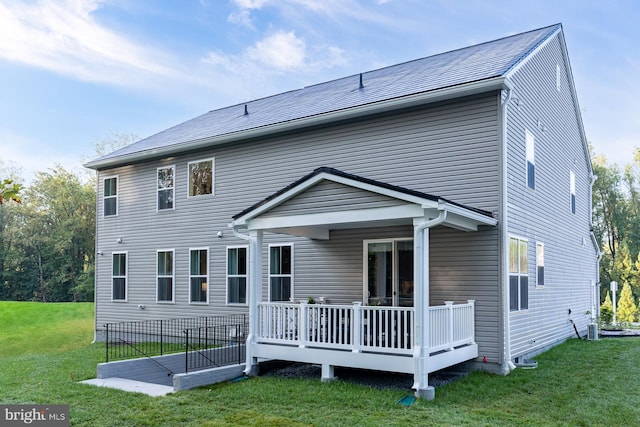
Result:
{"points": [[110, 196], [165, 188], [518, 275], [119, 276], [531, 166], [199, 276], [201, 178], [558, 77], [280, 273], [165, 268], [572, 190], [237, 275], [539, 264]]}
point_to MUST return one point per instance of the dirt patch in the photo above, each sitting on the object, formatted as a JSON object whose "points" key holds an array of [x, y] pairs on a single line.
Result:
{"points": [[374, 379]]}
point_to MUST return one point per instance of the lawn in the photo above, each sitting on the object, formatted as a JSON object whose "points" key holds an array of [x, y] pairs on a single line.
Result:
{"points": [[45, 350]]}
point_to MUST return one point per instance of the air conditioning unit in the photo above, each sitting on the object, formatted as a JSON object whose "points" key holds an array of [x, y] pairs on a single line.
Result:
{"points": [[592, 331]]}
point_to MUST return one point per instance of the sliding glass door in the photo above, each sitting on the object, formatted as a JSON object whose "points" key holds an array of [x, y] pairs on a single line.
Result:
{"points": [[389, 272]]}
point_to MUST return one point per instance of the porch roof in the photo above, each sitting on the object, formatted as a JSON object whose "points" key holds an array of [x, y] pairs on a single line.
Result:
{"points": [[329, 199]]}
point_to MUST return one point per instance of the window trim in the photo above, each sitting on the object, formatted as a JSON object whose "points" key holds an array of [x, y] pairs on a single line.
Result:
{"points": [[207, 276], [116, 197], [530, 158], [172, 276], [213, 177], [519, 274], [246, 276], [291, 275], [126, 276], [173, 189], [572, 192], [538, 265]]}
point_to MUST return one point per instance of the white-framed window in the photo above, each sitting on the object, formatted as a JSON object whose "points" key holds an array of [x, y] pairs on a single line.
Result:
{"points": [[237, 264], [199, 276], [281, 272], [166, 187], [518, 274], [539, 264], [572, 191], [558, 77], [119, 270], [110, 196], [531, 164], [201, 177], [165, 267]]}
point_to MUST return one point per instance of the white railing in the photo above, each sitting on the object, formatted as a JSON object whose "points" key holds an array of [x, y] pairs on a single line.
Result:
{"points": [[363, 328]]}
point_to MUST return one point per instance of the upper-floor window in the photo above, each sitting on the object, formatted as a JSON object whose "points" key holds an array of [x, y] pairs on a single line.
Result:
{"points": [[166, 187], [237, 275], [119, 276], [110, 196], [165, 275], [201, 177], [518, 274], [199, 275], [531, 165], [280, 272], [558, 77], [539, 264], [572, 190]]}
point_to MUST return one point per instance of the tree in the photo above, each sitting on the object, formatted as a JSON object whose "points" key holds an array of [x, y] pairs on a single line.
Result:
{"points": [[606, 309], [10, 190], [626, 309]]}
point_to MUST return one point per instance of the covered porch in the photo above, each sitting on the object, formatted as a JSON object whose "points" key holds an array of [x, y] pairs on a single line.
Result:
{"points": [[388, 333]]}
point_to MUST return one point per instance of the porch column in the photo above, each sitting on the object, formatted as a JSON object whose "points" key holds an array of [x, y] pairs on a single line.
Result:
{"points": [[255, 296], [421, 307]]}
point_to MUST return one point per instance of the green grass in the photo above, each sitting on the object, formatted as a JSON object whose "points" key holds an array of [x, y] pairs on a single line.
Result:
{"points": [[577, 383]]}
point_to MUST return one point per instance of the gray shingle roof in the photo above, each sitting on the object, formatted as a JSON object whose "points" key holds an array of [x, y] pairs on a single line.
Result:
{"points": [[459, 67]]}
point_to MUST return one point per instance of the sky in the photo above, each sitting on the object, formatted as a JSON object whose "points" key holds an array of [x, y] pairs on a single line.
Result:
{"points": [[74, 73]]}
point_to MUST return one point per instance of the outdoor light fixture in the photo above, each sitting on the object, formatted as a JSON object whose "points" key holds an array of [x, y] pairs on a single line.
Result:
{"points": [[99, 252], [219, 234], [141, 306], [119, 240]]}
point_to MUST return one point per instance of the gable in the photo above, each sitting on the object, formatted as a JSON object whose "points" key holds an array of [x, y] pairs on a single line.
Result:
{"points": [[328, 196]]}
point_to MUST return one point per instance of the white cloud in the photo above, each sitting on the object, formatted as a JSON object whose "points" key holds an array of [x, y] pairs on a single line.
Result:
{"points": [[64, 37], [280, 51]]}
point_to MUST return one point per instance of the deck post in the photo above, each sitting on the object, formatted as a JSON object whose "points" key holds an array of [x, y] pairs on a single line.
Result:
{"points": [[449, 305], [421, 306], [255, 296], [357, 326]]}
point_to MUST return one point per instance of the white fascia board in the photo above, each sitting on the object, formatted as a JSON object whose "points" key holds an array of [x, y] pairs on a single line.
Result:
{"points": [[495, 83], [531, 54], [465, 213], [329, 218]]}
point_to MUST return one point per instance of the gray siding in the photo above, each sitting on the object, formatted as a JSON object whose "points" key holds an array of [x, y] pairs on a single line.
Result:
{"points": [[543, 215], [326, 196], [449, 150]]}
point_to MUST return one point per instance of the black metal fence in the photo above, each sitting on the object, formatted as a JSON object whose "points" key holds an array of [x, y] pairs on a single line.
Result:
{"points": [[199, 335], [217, 345]]}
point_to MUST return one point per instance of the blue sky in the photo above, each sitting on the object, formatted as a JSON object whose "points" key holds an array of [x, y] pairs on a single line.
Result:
{"points": [[75, 72]]}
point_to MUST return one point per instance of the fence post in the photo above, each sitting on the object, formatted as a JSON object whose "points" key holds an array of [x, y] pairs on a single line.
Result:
{"points": [[161, 336], [472, 320], [106, 343], [357, 326], [186, 350], [449, 305]]}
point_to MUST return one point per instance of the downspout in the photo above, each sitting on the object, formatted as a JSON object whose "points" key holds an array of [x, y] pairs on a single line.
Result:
{"points": [[596, 308], [421, 351], [507, 364]]}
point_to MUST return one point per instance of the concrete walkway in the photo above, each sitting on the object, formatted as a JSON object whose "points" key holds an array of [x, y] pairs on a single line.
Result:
{"points": [[149, 389]]}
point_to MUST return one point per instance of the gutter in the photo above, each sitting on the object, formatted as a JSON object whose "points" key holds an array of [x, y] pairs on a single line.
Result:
{"points": [[495, 83]]}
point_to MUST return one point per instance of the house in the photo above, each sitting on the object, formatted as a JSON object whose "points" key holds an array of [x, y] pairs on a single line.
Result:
{"points": [[436, 211]]}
